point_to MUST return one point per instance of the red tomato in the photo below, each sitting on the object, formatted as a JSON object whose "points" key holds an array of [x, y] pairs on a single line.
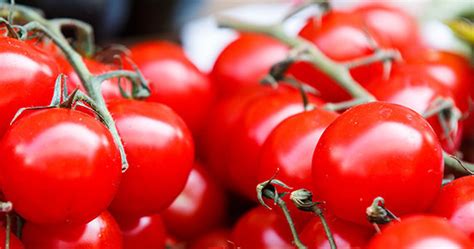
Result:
{"points": [[218, 239], [261, 228], [420, 232], [28, 77], [160, 153], [345, 234], [175, 81], [15, 243], [289, 148], [341, 37], [144, 232], [59, 166], [456, 203], [258, 120], [245, 62], [377, 149], [100, 233], [199, 208]]}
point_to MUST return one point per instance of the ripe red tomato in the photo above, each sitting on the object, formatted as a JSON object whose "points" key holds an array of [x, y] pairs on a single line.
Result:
{"points": [[289, 148], [160, 154], [341, 37], [456, 203], [144, 232], [420, 231], [216, 239], [59, 166], [261, 228], [15, 243], [175, 81], [345, 234], [377, 149], [245, 61], [28, 76], [100, 233]]}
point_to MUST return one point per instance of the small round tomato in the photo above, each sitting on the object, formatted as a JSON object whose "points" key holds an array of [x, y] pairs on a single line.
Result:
{"points": [[100, 233], [160, 154], [15, 243], [144, 232], [345, 234], [28, 76], [59, 166], [289, 148], [420, 232], [216, 239], [456, 203], [175, 81], [377, 149], [245, 62]]}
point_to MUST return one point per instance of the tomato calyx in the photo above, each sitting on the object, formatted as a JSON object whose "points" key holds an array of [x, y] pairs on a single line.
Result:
{"points": [[377, 214]]}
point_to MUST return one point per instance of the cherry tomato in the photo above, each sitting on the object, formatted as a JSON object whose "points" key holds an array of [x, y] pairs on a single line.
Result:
{"points": [[345, 234], [15, 243], [216, 239], [28, 76], [456, 203], [420, 231], [245, 62], [100, 233], [200, 207], [377, 149], [144, 232], [289, 148], [341, 37], [261, 228], [160, 154], [175, 81], [59, 166]]}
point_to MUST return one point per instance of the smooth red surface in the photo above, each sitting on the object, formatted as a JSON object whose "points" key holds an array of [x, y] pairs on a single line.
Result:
{"points": [[420, 232], [200, 207], [289, 148], [100, 233], [59, 166], [456, 203], [144, 232], [245, 62], [377, 149], [218, 239], [27, 78], [15, 243], [160, 154], [175, 81]]}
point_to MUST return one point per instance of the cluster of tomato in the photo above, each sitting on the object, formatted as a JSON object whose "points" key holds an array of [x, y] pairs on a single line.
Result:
{"points": [[198, 137]]}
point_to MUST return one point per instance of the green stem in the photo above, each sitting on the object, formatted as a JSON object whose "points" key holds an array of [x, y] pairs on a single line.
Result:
{"points": [[8, 229], [84, 33], [457, 165], [344, 105], [327, 230]]}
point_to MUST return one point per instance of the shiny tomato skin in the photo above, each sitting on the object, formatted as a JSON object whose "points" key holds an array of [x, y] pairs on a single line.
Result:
{"points": [[15, 243], [245, 62], [421, 231], [69, 165], [28, 76], [456, 203], [215, 239], [346, 235], [289, 148], [200, 207], [377, 149], [100, 233], [143, 232], [160, 153], [175, 81]]}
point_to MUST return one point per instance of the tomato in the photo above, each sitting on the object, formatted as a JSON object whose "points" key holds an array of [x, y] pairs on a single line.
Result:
{"points": [[411, 87], [15, 243], [200, 207], [175, 81], [215, 239], [160, 154], [456, 203], [245, 62], [341, 37], [345, 234], [289, 148], [420, 231], [100, 233], [144, 232], [258, 120], [377, 149], [262, 228], [28, 76], [59, 166]]}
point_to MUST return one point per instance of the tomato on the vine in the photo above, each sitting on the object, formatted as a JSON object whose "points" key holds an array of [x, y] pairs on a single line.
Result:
{"points": [[144, 232]]}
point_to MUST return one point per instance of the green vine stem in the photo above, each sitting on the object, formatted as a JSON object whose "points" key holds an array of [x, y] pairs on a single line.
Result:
{"points": [[84, 34]]}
